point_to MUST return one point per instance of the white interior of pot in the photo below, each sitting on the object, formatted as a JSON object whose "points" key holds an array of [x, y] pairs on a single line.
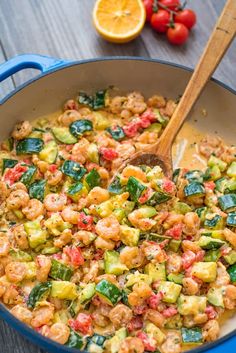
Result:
{"points": [[47, 94]]}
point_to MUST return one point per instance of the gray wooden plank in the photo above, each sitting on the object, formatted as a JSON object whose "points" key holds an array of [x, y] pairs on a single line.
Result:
{"points": [[7, 85]]}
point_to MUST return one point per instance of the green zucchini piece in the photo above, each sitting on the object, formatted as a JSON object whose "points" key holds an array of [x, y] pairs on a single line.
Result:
{"points": [[64, 290], [232, 273], [157, 198], [36, 235], [39, 292], [182, 207], [212, 255], [29, 146], [93, 154], [74, 188], [27, 177], [208, 243], [191, 304], [161, 118], [116, 132], [73, 170], [85, 99], [87, 293], [115, 187], [191, 335], [62, 134], [75, 340], [20, 255], [129, 236], [214, 221], [37, 190], [8, 163], [221, 184], [201, 212], [231, 219], [176, 278], [212, 173], [60, 271], [214, 161], [108, 291], [231, 171], [157, 272], [194, 175], [170, 291], [176, 174], [194, 189], [79, 127], [206, 271], [99, 99], [98, 339], [230, 258], [215, 297], [93, 178], [135, 188], [227, 202], [49, 152], [112, 263], [155, 127], [230, 186], [174, 245]]}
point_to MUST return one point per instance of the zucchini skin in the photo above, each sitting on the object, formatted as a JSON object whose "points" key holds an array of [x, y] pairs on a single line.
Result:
{"points": [[39, 291], [191, 335], [227, 202], [8, 163], [29, 146], [135, 188], [194, 189], [79, 127], [73, 170]]}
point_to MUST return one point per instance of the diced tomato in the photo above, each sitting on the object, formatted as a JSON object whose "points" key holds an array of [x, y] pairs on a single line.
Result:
{"points": [[109, 154], [140, 309], [82, 323], [154, 300], [176, 231], [200, 255], [210, 311], [52, 168], [149, 115], [169, 312], [168, 186], [225, 250], [188, 258], [85, 222], [75, 255], [148, 345], [27, 161], [131, 129], [136, 323], [164, 243], [145, 196], [57, 256], [209, 185], [12, 175]]}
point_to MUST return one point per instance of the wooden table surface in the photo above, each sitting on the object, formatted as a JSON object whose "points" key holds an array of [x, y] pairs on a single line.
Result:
{"points": [[63, 29]]}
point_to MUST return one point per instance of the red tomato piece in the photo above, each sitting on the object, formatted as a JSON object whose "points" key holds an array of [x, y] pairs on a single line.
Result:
{"points": [[210, 311], [187, 17], [140, 309], [210, 185], [154, 300], [13, 174], [168, 186], [171, 4], [75, 255], [176, 231], [148, 4], [188, 258], [149, 115], [178, 34], [145, 196], [85, 222], [169, 312], [131, 129], [160, 21], [109, 154], [136, 323], [200, 255], [82, 323], [52, 168], [148, 345]]}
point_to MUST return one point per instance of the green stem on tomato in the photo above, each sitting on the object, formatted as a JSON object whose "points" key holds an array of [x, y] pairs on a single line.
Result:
{"points": [[155, 6]]}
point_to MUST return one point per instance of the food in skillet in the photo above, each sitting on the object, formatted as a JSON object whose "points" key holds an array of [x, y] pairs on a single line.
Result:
{"points": [[145, 264]]}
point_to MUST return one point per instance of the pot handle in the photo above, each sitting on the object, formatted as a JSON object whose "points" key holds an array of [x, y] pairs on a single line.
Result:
{"points": [[228, 345], [29, 61]]}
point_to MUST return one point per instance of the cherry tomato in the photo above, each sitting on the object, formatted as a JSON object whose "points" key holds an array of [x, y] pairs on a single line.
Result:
{"points": [[75, 255], [82, 323], [108, 153], [169, 312], [187, 17], [160, 21], [12, 175], [175, 232], [171, 4], [136, 323], [178, 34], [85, 222], [149, 345], [148, 4]]}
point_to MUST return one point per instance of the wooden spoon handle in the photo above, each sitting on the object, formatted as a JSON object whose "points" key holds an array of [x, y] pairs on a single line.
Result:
{"points": [[217, 45]]}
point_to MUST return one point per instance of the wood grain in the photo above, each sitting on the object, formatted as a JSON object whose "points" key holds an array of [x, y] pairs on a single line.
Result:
{"points": [[63, 28]]}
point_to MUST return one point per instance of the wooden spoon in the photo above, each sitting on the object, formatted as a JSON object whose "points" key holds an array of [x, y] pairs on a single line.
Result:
{"points": [[221, 37]]}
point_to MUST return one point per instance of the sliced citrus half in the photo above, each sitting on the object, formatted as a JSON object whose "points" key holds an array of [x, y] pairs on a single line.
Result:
{"points": [[119, 21]]}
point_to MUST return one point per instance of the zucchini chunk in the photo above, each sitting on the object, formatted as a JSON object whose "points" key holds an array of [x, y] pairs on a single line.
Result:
{"points": [[49, 152], [157, 272], [8, 163], [29, 146], [115, 187], [208, 243], [206, 271], [191, 335], [60, 271], [63, 135], [75, 340], [116, 132], [37, 190], [108, 291], [64, 290], [194, 189], [79, 127], [176, 278], [232, 272], [215, 297], [227, 202], [40, 292], [231, 171], [87, 293], [231, 257], [112, 263], [214, 221], [170, 290], [231, 219], [28, 175], [93, 178], [157, 198], [212, 255], [214, 161], [73, 170], [129, 236], [194, 175], [191, 304], [135, 188]]}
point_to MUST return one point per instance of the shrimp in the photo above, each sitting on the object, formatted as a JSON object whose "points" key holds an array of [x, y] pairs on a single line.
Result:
{"points": [[155, 317], [53, 178], [43, 267], [18, 186], [190, 245], [33, 210], [132, 257], [141, 291], [80, 151], [55, 202], [104, 244], [108, 228], [191, 287], [135, 103], [169, 109], [230, 236], [191, 223], [139, 221], [63, 239], [69, 214], [120, 315], [59, 333], [17, 199], [156, 101], [22, 130], [172, 343], [131, 345], [4, 191], [223, 277], [92, 273], [117, 104], [71, 104], [101, 315], [230, 297], [211, 331], [22, 313], [15, 271], [174, 263], [84, 237], [4, 245], [11, 295], [97, 195], [134, 171], [42, 315], [68, 117]]}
